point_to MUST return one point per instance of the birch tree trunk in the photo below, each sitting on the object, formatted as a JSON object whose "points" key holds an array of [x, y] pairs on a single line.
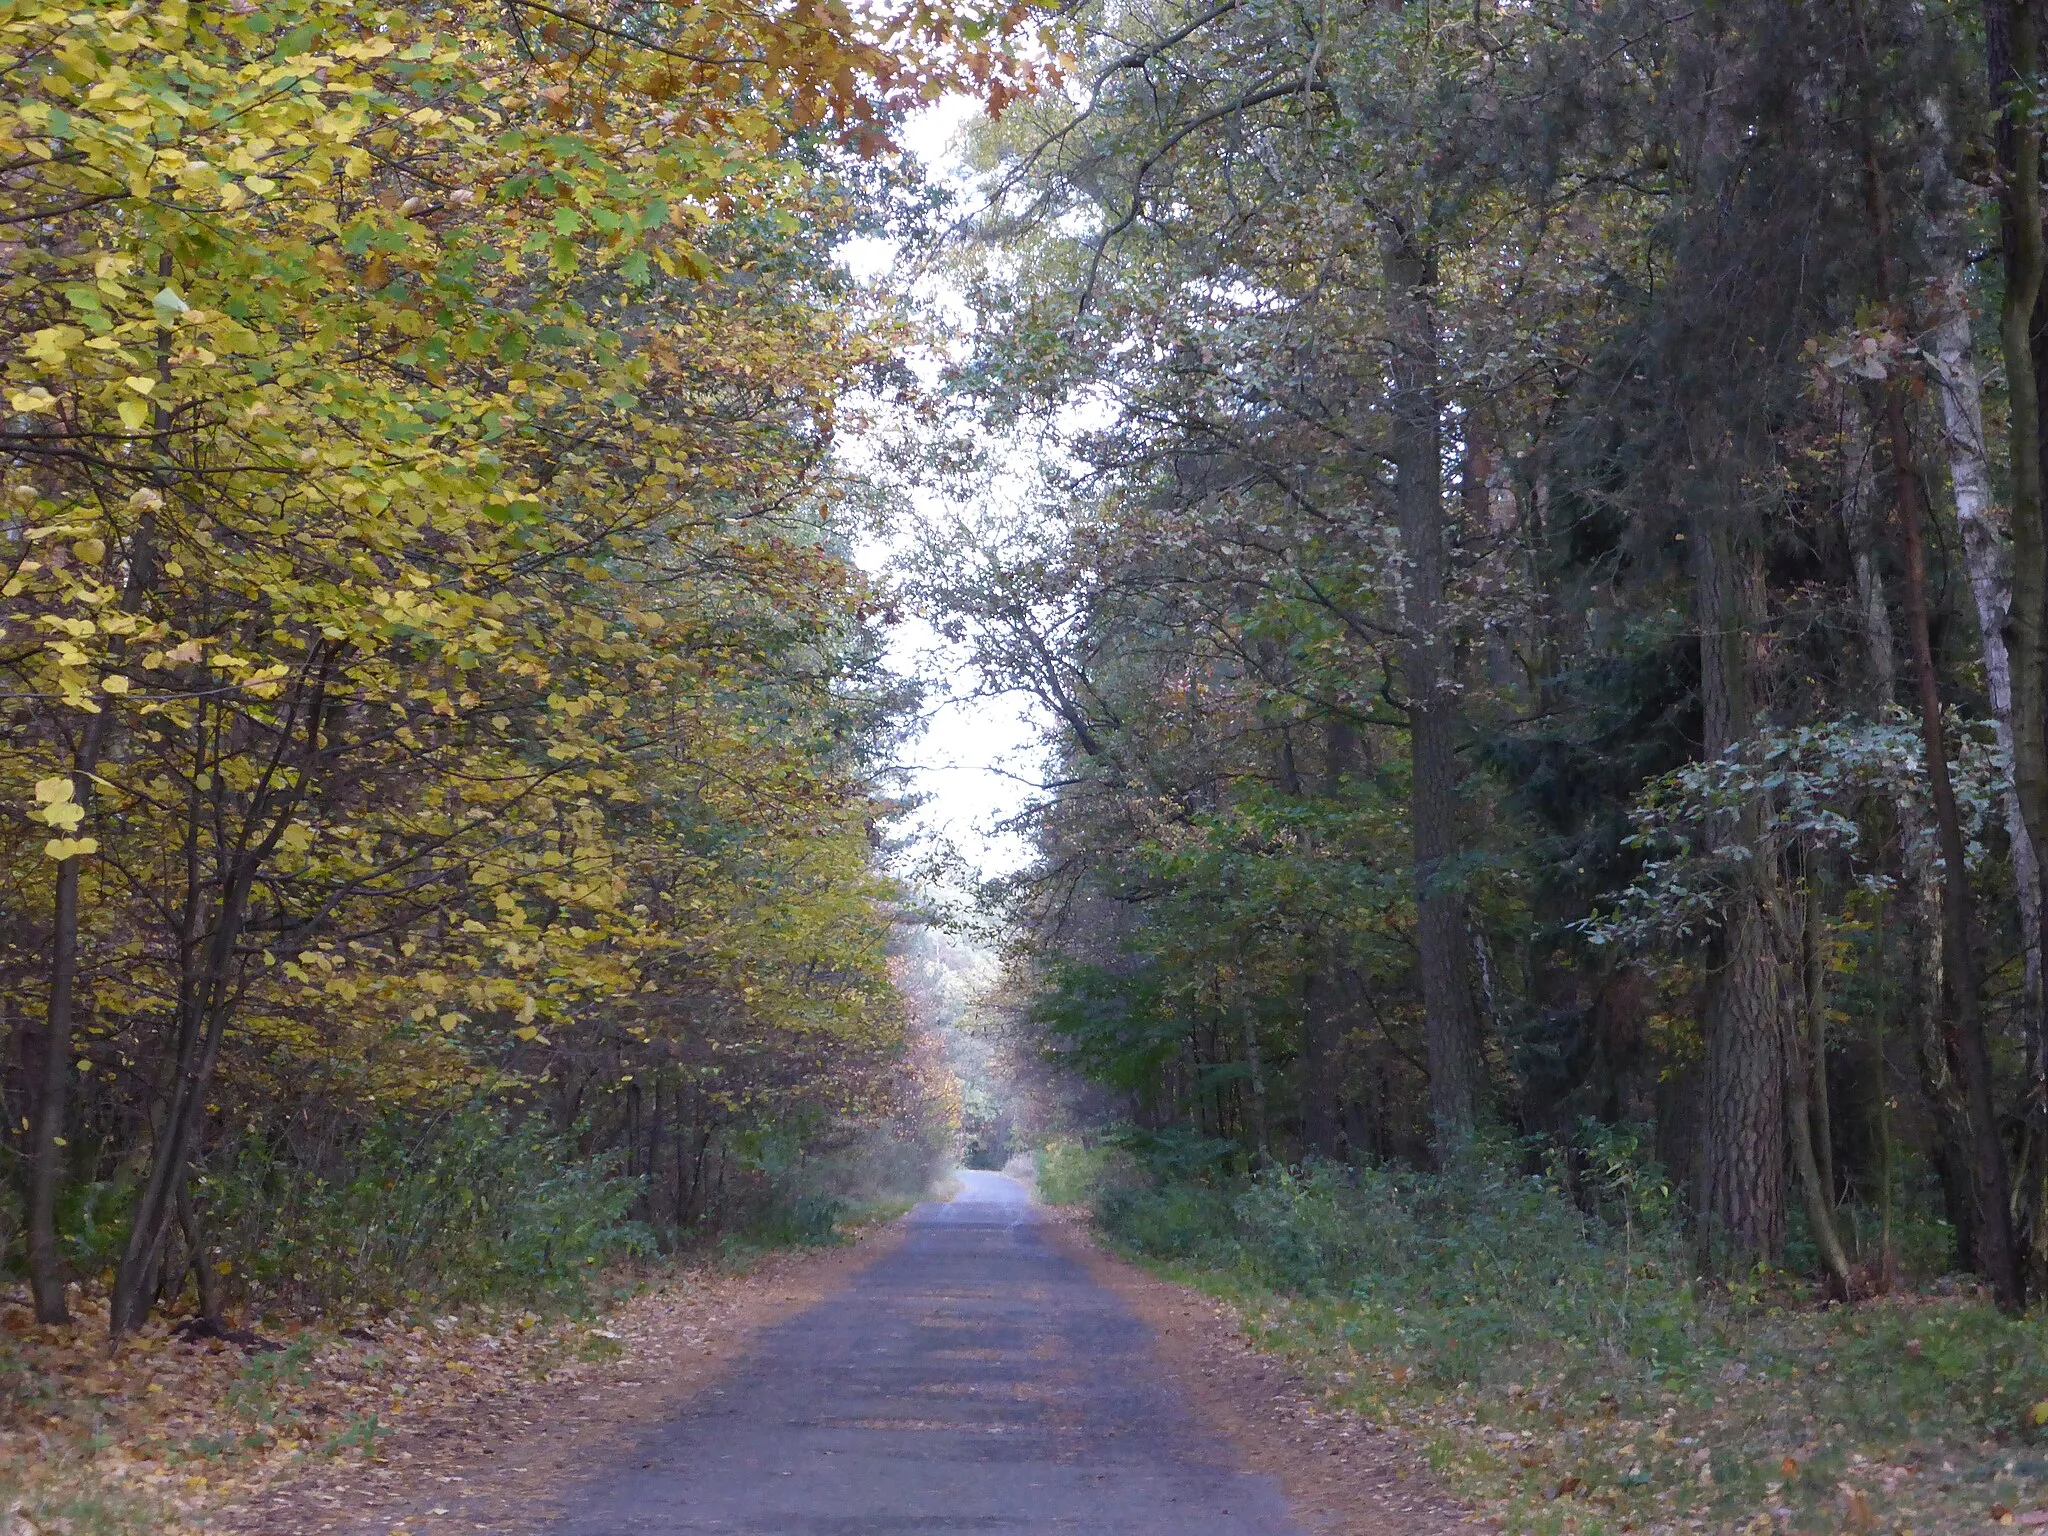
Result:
{"points": [[1988, 563]]}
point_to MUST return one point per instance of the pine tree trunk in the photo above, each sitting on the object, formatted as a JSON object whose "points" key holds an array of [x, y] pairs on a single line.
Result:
{"points": [[1451, 1021], [1741, 1172]]}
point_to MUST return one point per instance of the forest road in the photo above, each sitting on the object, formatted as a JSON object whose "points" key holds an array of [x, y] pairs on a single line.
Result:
{"points": [[974, 1379]]}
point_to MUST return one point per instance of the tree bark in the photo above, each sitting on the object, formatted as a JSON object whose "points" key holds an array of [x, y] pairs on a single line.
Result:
{"points": [[1817, 1034], [1451, 1021], [208, 995], [1987, 559], [1987, 562], [46, 1143], [1964, 1023], [1321, 1123], [1916, 854], [46, 1137], [1256, 1067], [205, 1276], [1806, 1100], [2012, 49], [1741, 1170]]}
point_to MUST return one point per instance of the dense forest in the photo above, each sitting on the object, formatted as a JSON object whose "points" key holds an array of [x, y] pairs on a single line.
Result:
{"points": [[1536, 567], [1536, 562], [446, 736]]}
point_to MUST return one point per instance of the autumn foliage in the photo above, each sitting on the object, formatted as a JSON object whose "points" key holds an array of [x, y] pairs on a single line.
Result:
{"points": [[432, 671]]}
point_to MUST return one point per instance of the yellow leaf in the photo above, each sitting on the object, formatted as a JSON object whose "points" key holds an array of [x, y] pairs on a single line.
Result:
{"points": [[62, 848], [64, 815], [53, 791], [114, 682], [50, 344], [29, 401], [91, 551], [141, 383], [134, 414]]}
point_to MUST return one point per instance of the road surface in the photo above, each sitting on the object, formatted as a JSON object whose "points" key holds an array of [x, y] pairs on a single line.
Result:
{"points": [[974, 1379]]}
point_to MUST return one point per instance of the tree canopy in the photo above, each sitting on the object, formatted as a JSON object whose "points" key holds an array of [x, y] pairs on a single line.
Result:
{"points": [[435, 671]]}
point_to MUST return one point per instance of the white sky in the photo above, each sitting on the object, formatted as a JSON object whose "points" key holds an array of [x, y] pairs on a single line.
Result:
{"points": [[975, 758]]}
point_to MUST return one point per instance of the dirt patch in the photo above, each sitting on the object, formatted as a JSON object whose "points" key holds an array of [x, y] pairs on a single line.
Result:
{"points": [[501, 1464], [1343, 1476]]}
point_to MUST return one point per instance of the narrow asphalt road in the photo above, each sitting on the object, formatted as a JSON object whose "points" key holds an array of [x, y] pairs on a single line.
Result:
{"points": [[974, 1379]]}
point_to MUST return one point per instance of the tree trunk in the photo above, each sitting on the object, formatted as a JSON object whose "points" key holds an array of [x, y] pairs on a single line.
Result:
{"points": [[1321, 1126], [46, 1140], [1815, 929], [208, 997], [205, 1276], [1966, 1041], [1450, 1019], [2012, 45], [1987, 558], [1256, 1067], [1989, 1176], [1806, 1100], [1741, 1171], [1988, 563], [1916, 852]]}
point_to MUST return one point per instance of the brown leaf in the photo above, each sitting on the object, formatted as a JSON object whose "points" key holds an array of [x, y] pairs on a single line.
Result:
{"points": [[1858, 1516]]}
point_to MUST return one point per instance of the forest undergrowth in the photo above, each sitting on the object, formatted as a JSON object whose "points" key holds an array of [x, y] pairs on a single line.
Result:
{"points": [[1566, 1370]]}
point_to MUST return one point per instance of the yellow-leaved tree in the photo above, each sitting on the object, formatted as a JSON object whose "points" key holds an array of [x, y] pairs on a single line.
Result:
{"points": [[424, 635]]}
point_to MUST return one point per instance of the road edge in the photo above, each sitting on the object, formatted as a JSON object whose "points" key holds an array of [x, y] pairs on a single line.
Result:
{"points": [[1342, 1476], [508, 1463]]}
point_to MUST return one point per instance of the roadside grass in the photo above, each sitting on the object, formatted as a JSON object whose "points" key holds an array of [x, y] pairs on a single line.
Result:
{"points": [[1567, 1373]]}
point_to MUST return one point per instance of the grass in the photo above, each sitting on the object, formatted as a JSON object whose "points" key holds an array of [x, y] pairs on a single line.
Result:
{"points": [[1568, 1373]]}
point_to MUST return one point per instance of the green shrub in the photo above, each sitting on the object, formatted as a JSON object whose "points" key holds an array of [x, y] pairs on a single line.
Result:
{"points": [[1073, 1173], [808, 1219], [1492, 1255], [476, 1206], [1556, 1315]]}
